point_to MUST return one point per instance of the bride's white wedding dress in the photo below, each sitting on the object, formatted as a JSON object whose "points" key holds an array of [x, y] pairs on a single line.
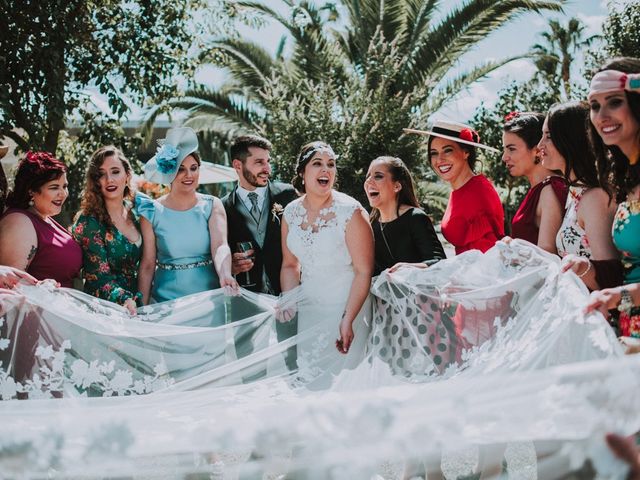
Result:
{"points": [[168, 383], [327, 274]]}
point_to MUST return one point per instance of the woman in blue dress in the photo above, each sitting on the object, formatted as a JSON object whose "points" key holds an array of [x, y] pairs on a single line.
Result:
{"points": [[184, 233]]}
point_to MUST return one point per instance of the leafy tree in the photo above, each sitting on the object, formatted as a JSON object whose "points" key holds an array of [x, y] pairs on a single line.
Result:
{"points": [[355, 83], [557, 54], [130, 51], [621, 30], [97, 130]]}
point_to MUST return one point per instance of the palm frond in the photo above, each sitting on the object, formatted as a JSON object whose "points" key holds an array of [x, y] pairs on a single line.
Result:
{"points": [[211, 104], [460, 30], [248, 62], [437, 98]]}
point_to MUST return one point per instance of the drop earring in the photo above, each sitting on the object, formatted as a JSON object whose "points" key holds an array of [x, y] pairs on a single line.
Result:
{"points": [[31, 202]]}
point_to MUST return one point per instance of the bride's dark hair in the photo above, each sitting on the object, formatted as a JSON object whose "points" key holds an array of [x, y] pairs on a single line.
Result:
{"points": [[304, 157]]}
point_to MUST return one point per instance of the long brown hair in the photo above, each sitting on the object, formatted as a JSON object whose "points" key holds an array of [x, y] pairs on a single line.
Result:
{"points": [[613, 164], [401, 174], [92, 203]]}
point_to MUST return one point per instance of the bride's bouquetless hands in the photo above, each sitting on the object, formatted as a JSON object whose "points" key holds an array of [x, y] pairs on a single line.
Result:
{"points": [[346, 336]]}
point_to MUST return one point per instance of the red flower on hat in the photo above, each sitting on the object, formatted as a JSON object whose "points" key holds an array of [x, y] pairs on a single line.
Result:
{"points": [[466, 134]]}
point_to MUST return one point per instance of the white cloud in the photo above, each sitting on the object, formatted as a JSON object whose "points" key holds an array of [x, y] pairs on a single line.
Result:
{"points": [[539, 21], [593, 23]]}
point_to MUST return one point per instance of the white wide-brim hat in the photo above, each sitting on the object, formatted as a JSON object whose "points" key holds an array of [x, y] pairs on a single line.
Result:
{"points": [[172, 150], [458, 132]]}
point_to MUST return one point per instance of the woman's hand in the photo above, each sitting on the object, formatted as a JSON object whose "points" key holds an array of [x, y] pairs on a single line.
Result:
{"points": [[626, 450], [285, 309], [400, 265], [346, 336], [130, 305], [578, 265], [603, 300], [10, 277], [229, 285]]}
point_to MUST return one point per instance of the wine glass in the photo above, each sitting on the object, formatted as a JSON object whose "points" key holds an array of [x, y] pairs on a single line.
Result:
{"points": [[245, 247]]}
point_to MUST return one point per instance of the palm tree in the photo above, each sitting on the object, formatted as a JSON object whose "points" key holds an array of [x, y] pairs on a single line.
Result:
{"points": [[558, 51], [428, 46], [354, 82]]}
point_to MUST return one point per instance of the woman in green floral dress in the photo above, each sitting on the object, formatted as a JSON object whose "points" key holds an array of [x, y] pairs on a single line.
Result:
{"points": [[108, 230]]}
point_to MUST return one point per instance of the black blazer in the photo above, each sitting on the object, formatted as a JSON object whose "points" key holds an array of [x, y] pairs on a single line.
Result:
{"points": [[270, 255]]}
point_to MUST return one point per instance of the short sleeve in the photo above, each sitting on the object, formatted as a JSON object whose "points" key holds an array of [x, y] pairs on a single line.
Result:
{"points": [[345, 210], [207, 205], [144, 206], [289, 212]]}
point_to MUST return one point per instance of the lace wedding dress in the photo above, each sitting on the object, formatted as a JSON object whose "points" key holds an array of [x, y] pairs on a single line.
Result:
{"points": [[327, 274], [481, 364]]}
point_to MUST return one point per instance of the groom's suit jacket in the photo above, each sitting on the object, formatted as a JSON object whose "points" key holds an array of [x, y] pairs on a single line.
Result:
{"points": [[265, 234]]}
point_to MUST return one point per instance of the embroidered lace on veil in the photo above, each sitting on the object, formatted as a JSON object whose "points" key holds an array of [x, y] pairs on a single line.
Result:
{"points": [[481, 363]]}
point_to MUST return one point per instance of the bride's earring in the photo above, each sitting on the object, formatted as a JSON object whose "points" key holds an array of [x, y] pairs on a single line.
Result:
{"points": [[31, 202]]}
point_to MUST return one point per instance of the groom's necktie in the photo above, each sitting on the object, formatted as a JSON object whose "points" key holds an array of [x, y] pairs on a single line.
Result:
{"points": [[255, 211]]}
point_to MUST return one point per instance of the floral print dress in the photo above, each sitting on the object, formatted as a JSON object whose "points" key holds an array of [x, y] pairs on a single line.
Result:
{"points": [[110, 260], [571, 237], [626, 237]]}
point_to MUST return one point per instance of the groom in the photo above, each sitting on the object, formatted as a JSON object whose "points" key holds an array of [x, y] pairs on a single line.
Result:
{"points": [[254, 211]]}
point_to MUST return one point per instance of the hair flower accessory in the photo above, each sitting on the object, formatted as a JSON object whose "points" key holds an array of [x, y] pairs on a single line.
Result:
{"points": [[511, 115], [167, 157], [276, 212]]}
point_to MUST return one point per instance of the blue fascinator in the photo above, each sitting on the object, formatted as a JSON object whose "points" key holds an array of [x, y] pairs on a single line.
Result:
{"points": [[172, 150]]}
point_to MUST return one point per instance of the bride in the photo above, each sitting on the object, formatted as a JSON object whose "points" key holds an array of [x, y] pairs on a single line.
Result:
{"points": [[327, 249]]}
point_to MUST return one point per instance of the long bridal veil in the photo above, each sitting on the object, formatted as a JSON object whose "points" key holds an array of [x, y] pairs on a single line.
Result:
{"points": [[479, 365]]}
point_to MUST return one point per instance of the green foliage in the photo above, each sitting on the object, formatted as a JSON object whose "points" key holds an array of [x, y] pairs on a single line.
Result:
{"points": [[354, 82], [621, 30], [360, 120], [52, 51], [533, 95], [97, 130]]}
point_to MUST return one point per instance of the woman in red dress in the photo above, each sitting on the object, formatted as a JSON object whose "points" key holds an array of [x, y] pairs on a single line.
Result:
{"points": [[540, 214], [474, 218]]}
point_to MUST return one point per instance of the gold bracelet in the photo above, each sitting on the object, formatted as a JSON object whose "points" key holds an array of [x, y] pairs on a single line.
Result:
{"points": [[586, 271]]}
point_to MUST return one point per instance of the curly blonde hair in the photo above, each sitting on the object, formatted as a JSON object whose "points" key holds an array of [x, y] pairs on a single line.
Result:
{"points": [[92, 203]]}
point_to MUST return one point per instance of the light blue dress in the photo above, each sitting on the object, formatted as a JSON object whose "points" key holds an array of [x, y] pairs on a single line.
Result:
{"points": [[183, 248]]}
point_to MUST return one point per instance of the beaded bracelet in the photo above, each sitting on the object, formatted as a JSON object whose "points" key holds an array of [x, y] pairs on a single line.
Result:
{"points": [[586, 271]]}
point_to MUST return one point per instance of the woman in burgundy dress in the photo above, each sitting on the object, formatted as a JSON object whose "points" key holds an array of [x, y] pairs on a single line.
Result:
{"points": [[540, 214], [31, 240]]}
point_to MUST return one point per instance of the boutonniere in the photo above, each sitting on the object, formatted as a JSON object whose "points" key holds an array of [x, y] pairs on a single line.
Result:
{"points": [[276, 212]]}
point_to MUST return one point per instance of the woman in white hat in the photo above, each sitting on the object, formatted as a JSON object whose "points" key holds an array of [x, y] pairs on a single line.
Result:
{"points": [[184, 233], [474, 218]]}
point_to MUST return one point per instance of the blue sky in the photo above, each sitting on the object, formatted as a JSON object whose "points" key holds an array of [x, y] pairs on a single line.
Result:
{"points": [[514, 39]]}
